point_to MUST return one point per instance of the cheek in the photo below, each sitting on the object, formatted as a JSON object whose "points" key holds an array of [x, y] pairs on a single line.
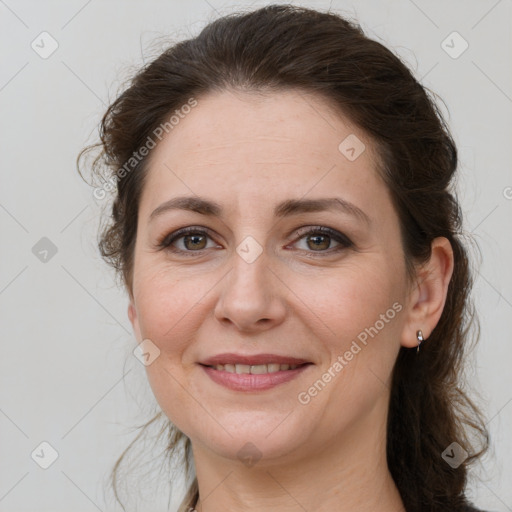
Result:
{"points": [[167, 312], [349, 299], [356, 314], [357, 311], [170, 389], [167, 307]]}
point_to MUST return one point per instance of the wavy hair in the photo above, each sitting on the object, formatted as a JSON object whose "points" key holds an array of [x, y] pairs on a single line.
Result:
{"points": [[282, 47]]}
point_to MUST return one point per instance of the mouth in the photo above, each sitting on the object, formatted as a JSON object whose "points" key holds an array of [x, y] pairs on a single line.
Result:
{"points": [[255, 369], [252, 360], [253, 373]]}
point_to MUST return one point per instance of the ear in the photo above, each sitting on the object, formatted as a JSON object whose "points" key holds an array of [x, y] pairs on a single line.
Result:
{"points": [[428, 296], [132, 315]]}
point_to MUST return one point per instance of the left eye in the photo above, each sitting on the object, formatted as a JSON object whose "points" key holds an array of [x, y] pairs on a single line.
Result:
{"points": [[319, 239]]}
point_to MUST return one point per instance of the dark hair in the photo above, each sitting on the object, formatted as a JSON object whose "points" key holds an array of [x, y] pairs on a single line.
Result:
{"points": [[283, 47]]}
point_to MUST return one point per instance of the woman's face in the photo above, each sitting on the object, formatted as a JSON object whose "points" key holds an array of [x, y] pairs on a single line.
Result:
{"points": [[258, 277]]}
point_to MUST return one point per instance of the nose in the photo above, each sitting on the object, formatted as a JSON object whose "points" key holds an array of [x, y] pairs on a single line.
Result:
{"points": [[251, 298]]}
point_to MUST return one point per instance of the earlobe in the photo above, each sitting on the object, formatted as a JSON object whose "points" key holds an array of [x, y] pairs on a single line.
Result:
{"points": [[131, 312], [429, 297], [132, 315]]}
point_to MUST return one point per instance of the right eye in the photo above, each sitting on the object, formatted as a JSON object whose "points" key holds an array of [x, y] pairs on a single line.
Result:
{"points": [[193, 239]]}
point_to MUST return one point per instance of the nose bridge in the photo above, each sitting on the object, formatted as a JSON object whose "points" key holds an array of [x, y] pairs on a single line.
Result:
{"points": [[249, 278], [248, 294], [251, 266]]}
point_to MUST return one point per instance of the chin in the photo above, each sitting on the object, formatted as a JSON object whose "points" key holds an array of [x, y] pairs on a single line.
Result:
{"points": [[253, 437]]}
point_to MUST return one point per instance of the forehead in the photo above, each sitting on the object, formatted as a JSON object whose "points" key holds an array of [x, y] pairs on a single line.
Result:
{"points": [[240, 147]]}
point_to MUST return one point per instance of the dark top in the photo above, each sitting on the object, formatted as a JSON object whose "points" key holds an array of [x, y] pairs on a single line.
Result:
{"points": [[470, 508]]}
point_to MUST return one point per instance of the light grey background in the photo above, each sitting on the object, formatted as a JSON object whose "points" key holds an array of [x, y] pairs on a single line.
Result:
{"points": [[67, 373]]}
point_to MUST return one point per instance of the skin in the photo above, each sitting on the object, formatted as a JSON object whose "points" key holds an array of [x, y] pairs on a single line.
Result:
{"points": [[248, 153]]}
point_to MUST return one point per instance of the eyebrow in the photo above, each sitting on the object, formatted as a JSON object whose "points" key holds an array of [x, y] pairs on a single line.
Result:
{"points": [[284, 209]]}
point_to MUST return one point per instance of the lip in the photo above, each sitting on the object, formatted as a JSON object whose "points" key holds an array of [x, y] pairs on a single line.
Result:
{"points": [[253, 382], [231, 358]]}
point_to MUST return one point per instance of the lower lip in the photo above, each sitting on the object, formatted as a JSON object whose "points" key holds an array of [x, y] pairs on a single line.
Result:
{"points": [[252, 382]]}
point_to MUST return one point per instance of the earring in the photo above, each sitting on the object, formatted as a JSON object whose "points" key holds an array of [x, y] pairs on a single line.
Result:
{"points": [[419, 335]]}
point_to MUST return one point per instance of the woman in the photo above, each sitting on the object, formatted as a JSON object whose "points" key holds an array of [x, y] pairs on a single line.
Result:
{"points": [[286, 230]]}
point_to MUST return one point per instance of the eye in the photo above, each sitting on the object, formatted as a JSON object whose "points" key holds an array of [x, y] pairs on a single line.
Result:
{"points": [[319, 238], [193, 240]]}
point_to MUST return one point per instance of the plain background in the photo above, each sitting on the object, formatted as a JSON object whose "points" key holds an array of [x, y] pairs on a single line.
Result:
{"points": [[68, 376]]}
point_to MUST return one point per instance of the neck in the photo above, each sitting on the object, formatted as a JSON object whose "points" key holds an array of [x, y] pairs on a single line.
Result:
{"points": [[349, 474]]}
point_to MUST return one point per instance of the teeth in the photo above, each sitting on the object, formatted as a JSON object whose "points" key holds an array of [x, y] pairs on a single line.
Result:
{"points": [[255, 369], [259, 368], [242, 368]]}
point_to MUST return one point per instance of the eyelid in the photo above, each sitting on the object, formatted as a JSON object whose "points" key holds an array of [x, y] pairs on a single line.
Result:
{"points": [[325, 230]]}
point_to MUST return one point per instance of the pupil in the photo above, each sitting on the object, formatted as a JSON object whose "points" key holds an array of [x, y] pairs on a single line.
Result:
{"points": [[316, 239], [195, 238]]}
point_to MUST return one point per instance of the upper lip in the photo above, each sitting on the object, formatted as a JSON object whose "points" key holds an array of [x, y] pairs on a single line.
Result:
{"points": [[230, 358]]}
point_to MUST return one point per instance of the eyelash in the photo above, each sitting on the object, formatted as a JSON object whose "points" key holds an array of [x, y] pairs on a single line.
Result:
{"points": [[167, 240]]}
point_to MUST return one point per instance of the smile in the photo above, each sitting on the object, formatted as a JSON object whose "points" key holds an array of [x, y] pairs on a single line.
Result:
{"points": [[243, 377], [255, 369]]}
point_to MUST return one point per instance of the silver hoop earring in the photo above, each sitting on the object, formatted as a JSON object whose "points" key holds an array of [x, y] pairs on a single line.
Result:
{"points": [[419, 335]]}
